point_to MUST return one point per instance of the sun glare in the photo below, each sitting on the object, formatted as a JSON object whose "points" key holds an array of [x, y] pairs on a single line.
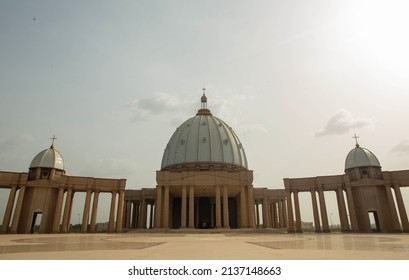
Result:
{"points": [[380, 32]]}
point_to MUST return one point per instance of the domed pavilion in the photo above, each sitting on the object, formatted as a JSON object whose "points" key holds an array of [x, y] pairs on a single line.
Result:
{"points": [[369, 199], [43, 198]]}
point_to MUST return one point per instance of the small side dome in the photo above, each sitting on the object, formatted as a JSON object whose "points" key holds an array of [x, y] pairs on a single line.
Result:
{"points": [[48, 158], [361, 157]]}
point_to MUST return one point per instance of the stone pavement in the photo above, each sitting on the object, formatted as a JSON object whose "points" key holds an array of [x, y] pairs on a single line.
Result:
{"points": [[204, 245]]}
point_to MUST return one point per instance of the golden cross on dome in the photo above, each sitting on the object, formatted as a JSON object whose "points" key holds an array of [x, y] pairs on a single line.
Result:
{"points": [[356, 140]]}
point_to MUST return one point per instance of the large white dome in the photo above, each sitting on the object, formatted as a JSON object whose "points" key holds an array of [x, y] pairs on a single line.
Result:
{"points": [[204, 138]]}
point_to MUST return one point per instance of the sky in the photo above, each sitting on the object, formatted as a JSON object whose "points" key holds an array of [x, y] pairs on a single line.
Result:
{"points": [[112, 80]]}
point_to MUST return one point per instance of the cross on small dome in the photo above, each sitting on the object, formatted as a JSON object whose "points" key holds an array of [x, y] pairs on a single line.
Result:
{"points": [[356, 140], [52, 144]]}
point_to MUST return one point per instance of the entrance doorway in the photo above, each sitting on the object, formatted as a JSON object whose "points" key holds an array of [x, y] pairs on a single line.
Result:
{"points": [[374, 221], [232, 212], [176, 215], [204, 212], [36, 223]]}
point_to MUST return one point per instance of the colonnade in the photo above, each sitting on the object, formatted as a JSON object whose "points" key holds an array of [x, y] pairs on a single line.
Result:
{"points": [[137, 209], [273, 213], [346, 209], [319, 209], [65, 197], [138, 214], [9, 208], [115, 212]]}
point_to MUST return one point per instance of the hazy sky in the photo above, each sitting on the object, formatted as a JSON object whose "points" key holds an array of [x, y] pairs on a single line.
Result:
{"points": [[113, 79]]}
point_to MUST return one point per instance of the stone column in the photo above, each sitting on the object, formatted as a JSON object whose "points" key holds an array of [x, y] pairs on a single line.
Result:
{"points": [[120, 211], [183, 215], [402, 210], [284, 210], [9, 209], [298, 226], [323, 209], [158, 207], [343, 216], [212, 208], [281, 211], [125, 216], [94, 211], [166, 208], [191, 207], [57, 213], [274, 214], [266, 214], [351, 208], [271, 214], [67, 209], [226, 222], [250, 206], [142, 214], [17, 211], [392, 209], [70, 210], [290, 224], [85, 215], [315, 212], [218, 208], [111, 223], [243, 208], [151, 204]]}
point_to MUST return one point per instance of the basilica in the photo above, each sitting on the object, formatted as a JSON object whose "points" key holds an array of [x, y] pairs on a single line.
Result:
{"points": [[205, 183]]}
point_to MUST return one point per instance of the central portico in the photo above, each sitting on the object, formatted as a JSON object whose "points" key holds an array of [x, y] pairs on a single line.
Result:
{"points": [[204, 181]]}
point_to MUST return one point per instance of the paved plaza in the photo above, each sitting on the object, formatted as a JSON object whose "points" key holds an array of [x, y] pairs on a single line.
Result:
{"points": [[206, 245]]}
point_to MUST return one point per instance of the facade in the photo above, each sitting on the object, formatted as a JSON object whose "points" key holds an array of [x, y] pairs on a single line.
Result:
{"points": [[42, 192], [364, 193], [205, 183]]}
